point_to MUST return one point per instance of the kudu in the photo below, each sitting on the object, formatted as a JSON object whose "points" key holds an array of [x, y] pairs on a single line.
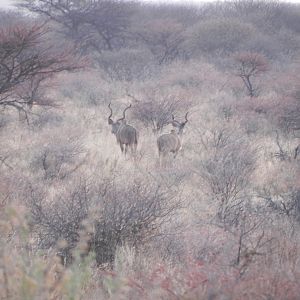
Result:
{"points": [[171, 142], [127, 136]]}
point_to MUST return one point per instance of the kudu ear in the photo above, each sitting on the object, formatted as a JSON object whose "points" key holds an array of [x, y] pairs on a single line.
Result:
{"points": [[175, 124]]}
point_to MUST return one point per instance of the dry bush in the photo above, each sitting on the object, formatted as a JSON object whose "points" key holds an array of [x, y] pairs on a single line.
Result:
{"points": [[283, 114], [46, 118], [84, 89], [25, 273], [195, 279], [132, 214], [79, 221], [114, 212], [155, 108], [263, 44], [163, 37], [127, 64], [219, 36], [286, 203], [286, 146], [58, 222], [249, 65], [226, 170], [288, 117], [280, 192], [59, 158], [198, 80]]}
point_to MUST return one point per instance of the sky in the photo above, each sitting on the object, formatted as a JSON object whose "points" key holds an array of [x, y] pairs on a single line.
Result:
{"points": [[5, 3], [9, 3]]}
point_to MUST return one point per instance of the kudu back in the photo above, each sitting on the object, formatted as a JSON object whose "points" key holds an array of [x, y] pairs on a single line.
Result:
{"points": [[171, 142], [126, 135]]}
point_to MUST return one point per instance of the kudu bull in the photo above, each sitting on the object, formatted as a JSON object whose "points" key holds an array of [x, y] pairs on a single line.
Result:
{"points": [[127, 136], [171, 142]]}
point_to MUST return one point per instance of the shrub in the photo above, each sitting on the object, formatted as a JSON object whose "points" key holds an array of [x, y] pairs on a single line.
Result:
{"points": [[127, 64], [249, 65], [156, 108], [111, 213], [59, 158], [219, 36], [226, 171], [163, 37]]}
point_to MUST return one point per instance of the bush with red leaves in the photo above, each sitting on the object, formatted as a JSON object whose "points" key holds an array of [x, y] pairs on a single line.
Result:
{"points": [[248, 66]]}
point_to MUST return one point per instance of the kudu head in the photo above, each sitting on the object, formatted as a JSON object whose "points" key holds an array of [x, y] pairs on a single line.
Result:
{"points": [[179, 125], [116, 125]]}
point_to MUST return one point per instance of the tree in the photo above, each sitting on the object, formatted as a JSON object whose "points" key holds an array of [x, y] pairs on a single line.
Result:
{"points": [[26, 62], [163, 37], [248, 66], [108, 21], [218, 36], [100, 24]]}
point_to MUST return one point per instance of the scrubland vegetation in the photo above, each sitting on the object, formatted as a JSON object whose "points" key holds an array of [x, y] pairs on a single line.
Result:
{"points": [[79, 220]]}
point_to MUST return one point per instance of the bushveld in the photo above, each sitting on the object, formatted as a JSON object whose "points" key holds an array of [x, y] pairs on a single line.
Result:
{"points": [[218, 219]]}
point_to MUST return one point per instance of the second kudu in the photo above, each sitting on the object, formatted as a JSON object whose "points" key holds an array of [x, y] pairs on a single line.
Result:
{"points": [[126, 135], [171, 142]]}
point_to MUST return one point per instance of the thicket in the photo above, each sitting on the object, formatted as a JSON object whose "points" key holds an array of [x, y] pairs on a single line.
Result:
{"points": [[80, 221]]}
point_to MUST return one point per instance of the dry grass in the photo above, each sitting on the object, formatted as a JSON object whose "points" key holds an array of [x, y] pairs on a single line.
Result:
{"points": [[203, 227]]}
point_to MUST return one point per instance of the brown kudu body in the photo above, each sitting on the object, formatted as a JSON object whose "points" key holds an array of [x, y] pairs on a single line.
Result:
{"points": [[126, 135], [171, 142]]}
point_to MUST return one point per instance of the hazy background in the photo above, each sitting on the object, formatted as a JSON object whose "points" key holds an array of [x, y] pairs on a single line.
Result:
{"points": [[9, 3]]}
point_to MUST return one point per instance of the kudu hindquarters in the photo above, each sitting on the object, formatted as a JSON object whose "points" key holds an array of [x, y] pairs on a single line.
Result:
{"points": [[171, 142], [126, 135]]}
